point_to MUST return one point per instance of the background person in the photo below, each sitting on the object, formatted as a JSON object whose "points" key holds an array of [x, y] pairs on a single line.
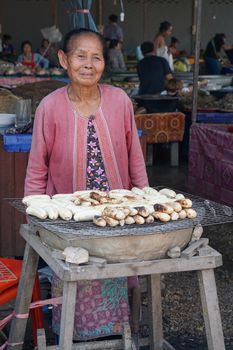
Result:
{"points": [[160, 45], [85, 137], [49, 51], [174, 47], [31, 59], [174, 87], [8, 51], [213, 53], [152, 70], [112, 31], [115, 58]]}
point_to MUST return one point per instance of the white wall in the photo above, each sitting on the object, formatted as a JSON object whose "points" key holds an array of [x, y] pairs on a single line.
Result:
{"points": [[24, 18]]}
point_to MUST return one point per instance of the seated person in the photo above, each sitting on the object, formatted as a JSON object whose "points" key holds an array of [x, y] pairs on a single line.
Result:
{"points": [[49, 51], [31, 59], [173, 48], [153, 71], [213, 54], [174, 87], [8, 51], [115, 59]]}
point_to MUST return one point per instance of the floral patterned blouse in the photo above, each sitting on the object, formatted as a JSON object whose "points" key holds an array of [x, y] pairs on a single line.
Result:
{"points": [[96, 177]]}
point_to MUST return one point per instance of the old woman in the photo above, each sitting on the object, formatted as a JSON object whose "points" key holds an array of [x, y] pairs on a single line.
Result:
{"points": [[85, 138]]}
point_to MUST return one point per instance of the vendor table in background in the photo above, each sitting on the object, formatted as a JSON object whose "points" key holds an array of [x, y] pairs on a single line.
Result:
{"points": [[12, 175], [161, 128], [15, 81], [215, 118], [211, 162]]}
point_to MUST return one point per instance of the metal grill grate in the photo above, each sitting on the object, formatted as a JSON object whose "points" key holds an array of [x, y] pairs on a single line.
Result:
{"points": [[209, 213]]}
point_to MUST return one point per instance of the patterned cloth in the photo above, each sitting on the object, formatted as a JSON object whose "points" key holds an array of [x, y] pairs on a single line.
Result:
{"points": [[211, 163], [162, 127], [96, 177], [101, 305]]}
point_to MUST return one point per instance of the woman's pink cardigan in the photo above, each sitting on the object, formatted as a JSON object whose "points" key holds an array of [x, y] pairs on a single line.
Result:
{"points": [[58, 157]]}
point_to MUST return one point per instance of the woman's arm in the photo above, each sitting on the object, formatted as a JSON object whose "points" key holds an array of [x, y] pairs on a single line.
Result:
{"points": [[137, 168], [158, 42], [37, 169]]}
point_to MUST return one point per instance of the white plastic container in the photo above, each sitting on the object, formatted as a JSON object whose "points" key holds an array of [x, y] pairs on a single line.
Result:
{"points": [[6, 119]]}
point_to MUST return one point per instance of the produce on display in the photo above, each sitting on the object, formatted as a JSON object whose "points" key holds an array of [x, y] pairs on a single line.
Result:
{"points": [[115, 208]]}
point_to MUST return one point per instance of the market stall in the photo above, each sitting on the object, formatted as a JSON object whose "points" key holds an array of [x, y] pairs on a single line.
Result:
{"points": [[47, 238]]}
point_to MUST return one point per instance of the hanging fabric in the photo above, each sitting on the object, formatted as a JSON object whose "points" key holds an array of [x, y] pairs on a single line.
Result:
{"points": [[79, 14]]}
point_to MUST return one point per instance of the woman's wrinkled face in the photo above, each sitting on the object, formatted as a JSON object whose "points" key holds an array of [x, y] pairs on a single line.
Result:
{"points": [[84, 60]]}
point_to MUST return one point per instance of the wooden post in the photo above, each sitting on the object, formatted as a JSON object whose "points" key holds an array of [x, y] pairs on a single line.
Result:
{"points": [[174, 154], [210, 307], [100, 13], [144, 19], [54, 12], [24, 297], [127, 340], [155, 312], [193, 27], [67, 315], [41, 340], [198, 8], [136, 307]]}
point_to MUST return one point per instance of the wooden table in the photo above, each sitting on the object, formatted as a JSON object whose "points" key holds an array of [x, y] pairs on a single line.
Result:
{"points": [[204, 264], [161, 128]]}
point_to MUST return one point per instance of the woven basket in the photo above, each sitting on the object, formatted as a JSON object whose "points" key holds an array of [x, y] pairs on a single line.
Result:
{"points": [[7, 101]]}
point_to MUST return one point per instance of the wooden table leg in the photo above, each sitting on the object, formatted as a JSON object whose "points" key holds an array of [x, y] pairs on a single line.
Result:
{"points": [[211, 313], [150, 154], [127, 339], [136, 309], [174, 153], [41, 340], [67, 315], [24, 297], [155, 312]]}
